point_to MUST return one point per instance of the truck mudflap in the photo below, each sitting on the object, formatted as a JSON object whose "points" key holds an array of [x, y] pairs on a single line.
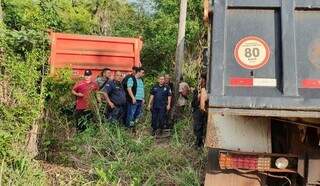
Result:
{"points": [[228, 162]]}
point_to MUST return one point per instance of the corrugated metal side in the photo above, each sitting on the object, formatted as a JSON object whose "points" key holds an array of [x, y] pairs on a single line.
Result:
{"points": [[81, 52]]}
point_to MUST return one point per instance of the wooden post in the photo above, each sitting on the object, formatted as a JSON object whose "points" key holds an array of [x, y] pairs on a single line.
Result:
{"points": [[180, 46], [1, 13]]}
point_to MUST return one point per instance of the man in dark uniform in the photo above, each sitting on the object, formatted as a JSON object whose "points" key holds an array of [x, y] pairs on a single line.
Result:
{"points": [[167, 80], [116, 98], [169, 116], [159, 104]]}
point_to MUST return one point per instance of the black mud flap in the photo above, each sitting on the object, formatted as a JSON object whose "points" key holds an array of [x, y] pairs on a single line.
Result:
{"points": [[213, 160]]}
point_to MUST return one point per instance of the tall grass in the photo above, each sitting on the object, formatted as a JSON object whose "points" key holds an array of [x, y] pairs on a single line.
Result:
{"points": [[113, 155]]}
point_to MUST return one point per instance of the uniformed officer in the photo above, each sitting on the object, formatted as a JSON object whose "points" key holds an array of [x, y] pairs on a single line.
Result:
{"points": [[159, 104], [116, 98]]}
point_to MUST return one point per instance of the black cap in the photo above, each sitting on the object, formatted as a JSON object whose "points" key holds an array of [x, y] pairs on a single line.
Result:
{"points": [[87, 73]]}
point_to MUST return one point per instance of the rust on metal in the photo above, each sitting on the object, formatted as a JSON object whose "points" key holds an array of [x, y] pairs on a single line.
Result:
{"points": [[232, 179], [267, 113], [211, 140], [314, 171]]}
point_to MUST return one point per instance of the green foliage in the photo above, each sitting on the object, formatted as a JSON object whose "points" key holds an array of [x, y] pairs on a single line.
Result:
{"points": [[162, 31], [20, 107], [41, 15], [112, 154], [120, 157], [21, 171]]}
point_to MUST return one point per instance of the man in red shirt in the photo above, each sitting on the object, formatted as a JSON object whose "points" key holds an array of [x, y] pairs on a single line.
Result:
{"points": [[83, 91]]}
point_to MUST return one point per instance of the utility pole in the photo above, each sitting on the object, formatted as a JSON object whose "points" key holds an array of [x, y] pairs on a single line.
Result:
{"points": [[1, 13], [180, 46]]}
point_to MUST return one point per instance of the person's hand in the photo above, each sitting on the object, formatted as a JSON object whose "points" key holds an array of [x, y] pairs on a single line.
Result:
{"points": [[111, 105], [134, 101], [149, 107], [168, 107], [203, 110], [80, 95], [143, 102]]}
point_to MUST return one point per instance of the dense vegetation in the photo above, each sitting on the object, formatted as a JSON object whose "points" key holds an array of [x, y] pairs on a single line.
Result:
{"points": [[103, 154]]}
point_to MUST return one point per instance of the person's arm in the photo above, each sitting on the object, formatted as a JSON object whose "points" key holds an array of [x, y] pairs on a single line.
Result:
{"points": [[150, 102], [129, 89], [74, 92], [131, 95], [107, 90], [169, 102], [203, 99], [108, 100], [143, 101]]}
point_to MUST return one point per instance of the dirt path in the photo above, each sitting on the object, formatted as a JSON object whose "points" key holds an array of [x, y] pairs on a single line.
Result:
{"points": [[60, 175]]}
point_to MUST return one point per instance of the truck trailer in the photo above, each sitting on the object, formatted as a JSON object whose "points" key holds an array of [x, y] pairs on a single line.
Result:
{"points": [[264, 92], [81, 52]]}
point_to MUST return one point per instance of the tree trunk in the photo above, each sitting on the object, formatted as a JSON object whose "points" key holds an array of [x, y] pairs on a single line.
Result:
{"points": [[32, 145], [1, 13], [180, 50]]}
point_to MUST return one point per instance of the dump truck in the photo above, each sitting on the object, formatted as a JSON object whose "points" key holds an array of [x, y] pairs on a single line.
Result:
{"points": [[81, 52], [264, 92]]}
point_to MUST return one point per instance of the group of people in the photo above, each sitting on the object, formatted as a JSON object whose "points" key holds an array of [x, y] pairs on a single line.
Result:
{"points": [[124, 98]]}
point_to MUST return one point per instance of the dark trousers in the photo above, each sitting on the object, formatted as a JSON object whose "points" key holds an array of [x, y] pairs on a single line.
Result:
{"points": [[82, 118], [199, 126], [117, 114], [158, 118]]}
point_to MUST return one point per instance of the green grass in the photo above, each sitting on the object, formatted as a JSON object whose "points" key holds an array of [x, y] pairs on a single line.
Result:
{"points": [[114, 155], [109, 154]]}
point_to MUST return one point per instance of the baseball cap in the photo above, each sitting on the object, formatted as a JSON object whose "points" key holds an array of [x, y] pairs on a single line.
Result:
{"points": [[87, 73]]}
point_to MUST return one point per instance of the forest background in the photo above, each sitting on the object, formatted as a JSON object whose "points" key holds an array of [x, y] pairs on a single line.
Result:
{"points": [[104, 154]]}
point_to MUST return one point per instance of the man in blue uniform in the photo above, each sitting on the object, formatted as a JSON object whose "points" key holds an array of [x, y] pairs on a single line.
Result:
{"points": [[116, 99], [159, 104]]}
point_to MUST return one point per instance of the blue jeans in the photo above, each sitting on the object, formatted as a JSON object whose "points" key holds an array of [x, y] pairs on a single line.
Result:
{"points": [[138, 112], [131, 109]]}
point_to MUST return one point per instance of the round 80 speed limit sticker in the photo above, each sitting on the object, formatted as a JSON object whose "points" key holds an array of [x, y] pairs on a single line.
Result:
{"points": [[252, 52]]}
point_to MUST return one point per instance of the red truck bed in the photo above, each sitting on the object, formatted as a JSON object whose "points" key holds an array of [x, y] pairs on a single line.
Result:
{"points": [[80, 52]]}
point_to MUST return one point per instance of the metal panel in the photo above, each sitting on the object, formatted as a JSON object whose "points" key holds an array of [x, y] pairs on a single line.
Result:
{"points": [[217, 56], [290, 30], [308, 50], [236, 133], [232, 179], [237, 28], [307, 4], [314, 171], [290, 85], [254, 3], [272, 113], [82, 52]]}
